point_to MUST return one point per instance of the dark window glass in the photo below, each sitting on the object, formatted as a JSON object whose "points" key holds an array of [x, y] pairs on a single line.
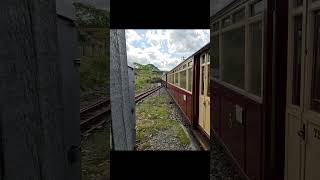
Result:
{"points": [[316, 67], [296, 76], [233, 53], [215, 56], [183, 80], [190, 79], [239, 15], [203, 59], [257, 8], [202, 80], [255, 60], [176, 79]]}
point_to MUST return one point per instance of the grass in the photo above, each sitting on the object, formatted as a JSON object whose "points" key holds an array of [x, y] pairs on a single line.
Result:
{"points": [[95, 153], [182, 137], [152, 117], [93, 78], [145, 78], [93, 72]]}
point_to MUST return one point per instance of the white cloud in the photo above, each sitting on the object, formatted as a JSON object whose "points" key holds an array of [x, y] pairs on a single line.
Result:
{"points": [[132, 36], [164, 48]]}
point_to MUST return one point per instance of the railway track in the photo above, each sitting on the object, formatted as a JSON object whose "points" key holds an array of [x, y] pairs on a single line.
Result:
{"points": [[145, 94], [93, 116]]}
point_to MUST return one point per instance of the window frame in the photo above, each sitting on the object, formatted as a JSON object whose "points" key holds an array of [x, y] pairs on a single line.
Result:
{"points": [[312, 11], [246, 22], [185, 66]]}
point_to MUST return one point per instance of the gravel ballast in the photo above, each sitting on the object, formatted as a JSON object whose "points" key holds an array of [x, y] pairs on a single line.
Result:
{"points": [[221, 167], [159, 125]]}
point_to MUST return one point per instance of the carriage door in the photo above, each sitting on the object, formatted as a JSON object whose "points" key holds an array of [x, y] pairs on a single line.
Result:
{"points": [[204, 99], [303, 91]]}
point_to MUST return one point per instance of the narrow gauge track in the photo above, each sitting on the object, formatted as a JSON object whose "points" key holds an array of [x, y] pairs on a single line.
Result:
{"points": [[145, 94], [92, 116]]}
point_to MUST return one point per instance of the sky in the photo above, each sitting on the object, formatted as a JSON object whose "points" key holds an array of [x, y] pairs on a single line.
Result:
{"points": [[164, 48]]}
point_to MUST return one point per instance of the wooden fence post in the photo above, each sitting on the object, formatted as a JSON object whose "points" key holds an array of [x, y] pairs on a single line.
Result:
{"points": [[122, 102], [32, 119]]}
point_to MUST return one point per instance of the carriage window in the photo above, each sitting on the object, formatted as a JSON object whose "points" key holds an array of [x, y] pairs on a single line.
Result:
{"points": [[202, 80], [315, 101], [233, 63], [176, 80], [239, 15], [183, 81], [256, 8], [190, 79], [226, 21], [215, 56], [296, 74], [203, 59], [255, 60], [208, 79]]}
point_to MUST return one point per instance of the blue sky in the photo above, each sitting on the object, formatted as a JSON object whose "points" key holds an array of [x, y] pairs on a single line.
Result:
{"points": [[164, 48]]}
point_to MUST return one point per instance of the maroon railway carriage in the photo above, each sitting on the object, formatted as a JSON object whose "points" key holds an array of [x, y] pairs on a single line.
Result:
{"points": [[188, 85], [266, 86]]}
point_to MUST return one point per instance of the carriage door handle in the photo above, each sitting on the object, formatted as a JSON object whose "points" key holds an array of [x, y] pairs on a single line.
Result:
{"points": [[302, 132]]}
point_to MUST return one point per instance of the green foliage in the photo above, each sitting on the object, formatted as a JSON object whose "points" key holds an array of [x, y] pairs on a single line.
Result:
{"points": [[149, 67], [89, 16], [94, 72], [95, 155], [182, 137], [145, 76]]}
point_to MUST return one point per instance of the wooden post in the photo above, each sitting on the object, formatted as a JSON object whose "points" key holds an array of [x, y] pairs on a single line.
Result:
{"points": [[31, 109], [122, 95]]}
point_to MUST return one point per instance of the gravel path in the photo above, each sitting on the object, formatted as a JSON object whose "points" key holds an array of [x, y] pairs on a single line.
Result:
{"points": [[164, 139], [220, 166]]}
